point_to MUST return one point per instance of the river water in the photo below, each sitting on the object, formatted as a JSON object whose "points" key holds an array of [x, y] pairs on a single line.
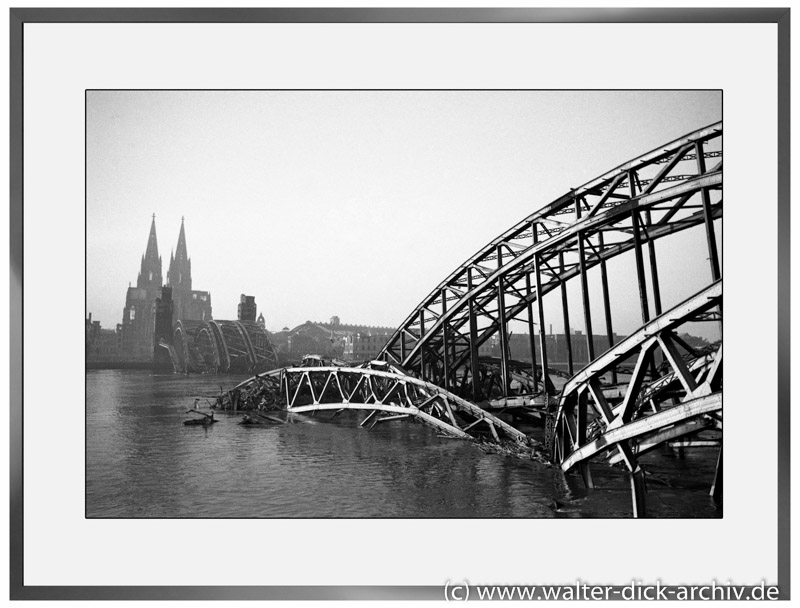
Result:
{"points": [[142, 461]]}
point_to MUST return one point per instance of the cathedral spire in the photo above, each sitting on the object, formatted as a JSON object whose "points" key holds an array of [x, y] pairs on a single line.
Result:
{"points": [[150, 273], [151, 254], [179, 275], [180, 253]]}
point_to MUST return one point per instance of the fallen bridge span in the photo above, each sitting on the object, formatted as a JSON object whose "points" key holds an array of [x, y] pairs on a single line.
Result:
{"points": [[384, 392]]}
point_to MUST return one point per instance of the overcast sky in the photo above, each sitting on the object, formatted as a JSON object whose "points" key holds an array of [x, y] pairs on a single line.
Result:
{"points": [[348, 203]]}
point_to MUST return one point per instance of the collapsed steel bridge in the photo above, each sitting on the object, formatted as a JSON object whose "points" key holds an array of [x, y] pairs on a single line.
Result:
{"points": [[626, 401], [384, 392], [684, 400], [671, 189], [220, 347]]}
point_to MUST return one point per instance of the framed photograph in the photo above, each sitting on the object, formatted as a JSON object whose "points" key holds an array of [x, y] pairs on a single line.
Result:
{"points": [[440, 282]]}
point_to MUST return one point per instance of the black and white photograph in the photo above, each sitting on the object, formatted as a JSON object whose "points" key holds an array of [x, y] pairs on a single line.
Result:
{"points": [[404, 303], [399, 304]]}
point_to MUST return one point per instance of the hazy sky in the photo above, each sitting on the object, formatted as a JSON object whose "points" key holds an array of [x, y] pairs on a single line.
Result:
{"points": [[348, 203]]}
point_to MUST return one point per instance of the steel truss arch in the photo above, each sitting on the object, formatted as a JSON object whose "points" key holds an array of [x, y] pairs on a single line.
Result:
{"points": [[211, 352], [262, 351], [215, 331], [235, 345], [377, 389], [221, 347], [187, 347], [660, 193]]}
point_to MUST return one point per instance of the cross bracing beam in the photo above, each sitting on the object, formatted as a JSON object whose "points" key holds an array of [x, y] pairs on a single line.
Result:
{"points": [[695, 390], [698, 303], [657, 422], [681, 430], [698, 367]]}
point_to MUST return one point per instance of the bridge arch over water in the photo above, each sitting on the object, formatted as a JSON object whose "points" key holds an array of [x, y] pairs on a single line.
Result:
{"points": [[625, 401], [628, 209], [221, 346], [606, 407]]}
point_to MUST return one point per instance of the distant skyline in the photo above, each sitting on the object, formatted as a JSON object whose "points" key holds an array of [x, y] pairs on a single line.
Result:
{"points": [[347, 203]]}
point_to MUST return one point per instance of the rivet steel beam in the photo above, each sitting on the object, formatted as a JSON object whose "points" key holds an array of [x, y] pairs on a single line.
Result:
{"points": [[640, 279], [445, 363], [531, 334], [542, 336], [565, 316], [711, 238], [587, 311], [473, 344], [606, 302]]}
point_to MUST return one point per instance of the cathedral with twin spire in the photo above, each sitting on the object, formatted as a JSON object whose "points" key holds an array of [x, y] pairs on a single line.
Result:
{"points": [[138, 317]]}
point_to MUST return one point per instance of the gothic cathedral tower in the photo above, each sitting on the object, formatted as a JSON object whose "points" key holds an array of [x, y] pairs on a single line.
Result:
{"points": [[137, 317], [187, 304], [179, 276]]}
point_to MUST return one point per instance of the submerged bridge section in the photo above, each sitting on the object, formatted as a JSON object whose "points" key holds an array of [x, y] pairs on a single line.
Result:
{"points": [[646, 389], [220, 347], [383, 392]]}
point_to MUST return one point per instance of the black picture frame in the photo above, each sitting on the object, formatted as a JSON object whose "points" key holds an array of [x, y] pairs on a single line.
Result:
{"points": [[19, 17]]}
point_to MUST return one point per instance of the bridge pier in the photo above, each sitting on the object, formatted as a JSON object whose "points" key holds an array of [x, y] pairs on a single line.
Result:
{"points": [[586, 474], [716, 487], [638, 492]]}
